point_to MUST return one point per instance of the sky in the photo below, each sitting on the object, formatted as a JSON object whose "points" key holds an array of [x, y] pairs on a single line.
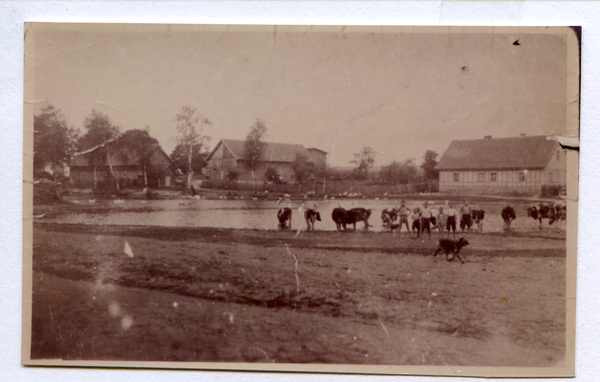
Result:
{"points": [[401, 91]]}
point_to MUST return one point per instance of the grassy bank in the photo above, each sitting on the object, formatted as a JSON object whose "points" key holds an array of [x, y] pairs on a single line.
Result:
{"points": [[210, 295]]}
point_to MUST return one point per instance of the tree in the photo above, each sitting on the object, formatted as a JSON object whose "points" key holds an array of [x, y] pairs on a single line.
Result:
{"points": [[429, 163], [53, 140], [271, 175], [399, 172], [190, 128], [99, 132], [254, 147], [138, 145], [302, 168], [180, 156], [364, 159]]}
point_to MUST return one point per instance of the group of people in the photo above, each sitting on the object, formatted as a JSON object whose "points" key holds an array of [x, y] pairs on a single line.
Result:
{"points": [[425, 218]]}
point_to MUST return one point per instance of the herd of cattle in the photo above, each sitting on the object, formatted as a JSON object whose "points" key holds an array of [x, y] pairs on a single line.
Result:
{"points": [[474, 219]]}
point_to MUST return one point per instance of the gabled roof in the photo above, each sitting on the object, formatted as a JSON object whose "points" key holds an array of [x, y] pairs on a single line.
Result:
{"points": [[126, 159], [274, 152], [498, 154]]}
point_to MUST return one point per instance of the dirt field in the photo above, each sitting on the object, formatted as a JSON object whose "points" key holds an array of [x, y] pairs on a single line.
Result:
{"points": [[201, 294]]}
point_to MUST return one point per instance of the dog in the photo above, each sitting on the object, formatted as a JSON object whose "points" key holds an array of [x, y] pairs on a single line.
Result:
{"points": [[451, 248], [394, 227]]}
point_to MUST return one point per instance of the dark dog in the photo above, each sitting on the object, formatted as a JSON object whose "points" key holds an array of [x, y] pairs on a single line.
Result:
{"points": [[451, 248], [393, 227], [285, 218]]}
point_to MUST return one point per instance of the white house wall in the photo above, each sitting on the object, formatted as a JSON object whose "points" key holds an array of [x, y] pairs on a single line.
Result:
{"points": [[506, 181]]}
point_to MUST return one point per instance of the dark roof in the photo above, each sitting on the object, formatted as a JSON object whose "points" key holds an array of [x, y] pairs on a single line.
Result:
{"points": [[274, 152], [498, 154]]}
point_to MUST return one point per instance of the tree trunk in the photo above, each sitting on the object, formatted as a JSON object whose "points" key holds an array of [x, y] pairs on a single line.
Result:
{"points": [[95, 178], [112, 173], [190, 168], [145, 177]]}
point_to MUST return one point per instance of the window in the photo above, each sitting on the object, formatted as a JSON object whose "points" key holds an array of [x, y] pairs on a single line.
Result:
{"points": [[481, 177], [557, 154], [455, 176], [550, 176], [521, 176], [493, 176]]}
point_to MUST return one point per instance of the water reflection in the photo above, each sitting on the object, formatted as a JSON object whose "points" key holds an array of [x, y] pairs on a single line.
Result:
{"points": [[257, 214]]}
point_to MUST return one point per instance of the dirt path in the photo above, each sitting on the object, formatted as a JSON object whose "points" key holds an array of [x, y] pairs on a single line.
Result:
{"points": [[246, 296]]}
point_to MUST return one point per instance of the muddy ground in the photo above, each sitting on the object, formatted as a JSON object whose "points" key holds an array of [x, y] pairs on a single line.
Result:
{"points": [[205, 295]]}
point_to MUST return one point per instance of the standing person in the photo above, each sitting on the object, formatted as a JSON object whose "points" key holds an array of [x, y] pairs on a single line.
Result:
{"points": [[466, 220], [451, 214], [441, 220], [403, 213], [426, 219]]}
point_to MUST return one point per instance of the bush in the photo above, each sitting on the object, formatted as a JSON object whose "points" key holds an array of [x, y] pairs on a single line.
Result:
{"points": [[232, 175], [554, 190]]}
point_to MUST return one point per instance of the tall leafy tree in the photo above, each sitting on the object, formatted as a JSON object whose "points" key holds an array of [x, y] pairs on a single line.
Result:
{"points": [[138, 146], [364, 159], [399, 172], [190, 126], [180, 156], [53, 140], [100, 131], [429, 163], [254, 147]]}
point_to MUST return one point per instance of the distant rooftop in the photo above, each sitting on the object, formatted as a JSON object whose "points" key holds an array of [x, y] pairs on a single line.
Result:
{"points": [[274, 152]]}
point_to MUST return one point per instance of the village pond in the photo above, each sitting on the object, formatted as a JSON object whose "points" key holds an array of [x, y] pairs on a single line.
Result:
{"points": [[255, 214]]}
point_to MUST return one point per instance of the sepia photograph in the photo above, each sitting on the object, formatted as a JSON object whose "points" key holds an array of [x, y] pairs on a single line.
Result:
{"points": [[348, 199]]}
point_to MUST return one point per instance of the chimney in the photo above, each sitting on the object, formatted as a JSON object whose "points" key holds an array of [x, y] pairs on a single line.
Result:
{"points": [[522, 135], [487, 137]]}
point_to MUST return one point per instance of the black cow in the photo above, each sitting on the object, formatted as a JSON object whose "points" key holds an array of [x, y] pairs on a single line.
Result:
{"points": [[389, 216], [508, 215], [310, 215], [285, 218], [451, 248], [356, 215], [545, 211], [478, 216], [561, 212], [340, 217]]}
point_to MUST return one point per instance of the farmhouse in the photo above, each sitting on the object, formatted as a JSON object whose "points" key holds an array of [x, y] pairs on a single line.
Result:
{"points": [[227, 157], [92, 168], [502, 165]]}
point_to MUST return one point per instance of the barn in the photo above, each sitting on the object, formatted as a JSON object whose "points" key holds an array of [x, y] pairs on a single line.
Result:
{"points": [[227, 156], [91, 168], [519, 165]]}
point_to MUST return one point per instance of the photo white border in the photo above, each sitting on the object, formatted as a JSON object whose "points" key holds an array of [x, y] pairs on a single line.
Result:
{"points": [[14, 14]]}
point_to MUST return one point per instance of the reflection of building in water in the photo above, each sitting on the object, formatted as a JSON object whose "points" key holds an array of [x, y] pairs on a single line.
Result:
{"points": [[502, 165], [228, 155]]}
